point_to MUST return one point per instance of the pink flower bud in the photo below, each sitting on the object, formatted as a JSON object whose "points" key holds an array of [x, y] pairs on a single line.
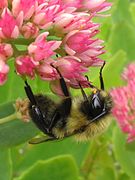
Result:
{"points": [[92, 4], [6, 50], [25, 65], [96, 5], [29, 30]]}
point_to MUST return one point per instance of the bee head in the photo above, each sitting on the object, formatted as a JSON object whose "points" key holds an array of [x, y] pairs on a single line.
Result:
{"points": [[98, 104]]}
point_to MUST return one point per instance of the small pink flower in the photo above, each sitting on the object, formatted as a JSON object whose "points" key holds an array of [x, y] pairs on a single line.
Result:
{"points": [[92, 4], [124, 103], [4, 69], [81, 45], [8, 25], [70, 67], [96, 5], [66, 22], [74, 83], [6, 50], [46, 71], [41, 48], [71, 3], [25, 65], [28, 8], [45, 14], [29, 30], [3, 4]]}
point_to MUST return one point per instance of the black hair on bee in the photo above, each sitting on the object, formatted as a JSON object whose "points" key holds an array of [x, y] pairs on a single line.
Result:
{"points": [[82, 117]]}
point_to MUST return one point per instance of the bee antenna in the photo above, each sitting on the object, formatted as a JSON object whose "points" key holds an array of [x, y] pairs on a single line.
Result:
{"points": [[101, 77], [91, 86]]}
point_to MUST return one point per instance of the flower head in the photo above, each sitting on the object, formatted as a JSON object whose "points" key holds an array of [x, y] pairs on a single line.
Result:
{"points": [[124, 103], [53, 34]]}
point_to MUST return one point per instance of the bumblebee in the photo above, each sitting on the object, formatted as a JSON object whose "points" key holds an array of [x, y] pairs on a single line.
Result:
{"points": [[82, 117]]}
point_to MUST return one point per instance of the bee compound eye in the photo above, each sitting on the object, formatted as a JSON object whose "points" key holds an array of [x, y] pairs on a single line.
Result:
{"points": [[97, 106]]}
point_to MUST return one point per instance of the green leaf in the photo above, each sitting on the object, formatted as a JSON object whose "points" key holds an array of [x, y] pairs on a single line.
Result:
{"points": [[105, 174], [121, 11], [44, 151], [6, 109], [132, 11], [123, 155], [14, 132], [58, 168], [113, 69], [123, 37], [122, 34], [123, 176], [130, 146], [5, 165]]}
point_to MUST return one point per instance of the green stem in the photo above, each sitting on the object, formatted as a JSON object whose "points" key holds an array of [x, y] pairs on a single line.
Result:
{"points": [[90, 159], [21, 41], [8, 118]]}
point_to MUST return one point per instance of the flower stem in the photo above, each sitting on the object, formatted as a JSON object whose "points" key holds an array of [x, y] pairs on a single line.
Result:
{"points": [[8, 118], [90, 159]]}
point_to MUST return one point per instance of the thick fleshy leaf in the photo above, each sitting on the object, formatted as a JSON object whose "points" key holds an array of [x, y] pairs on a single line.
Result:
{"points": [[123, 33], [32, 153], [132, 11], [5, 165], [14, 132], [61, 167], [123, 155]]}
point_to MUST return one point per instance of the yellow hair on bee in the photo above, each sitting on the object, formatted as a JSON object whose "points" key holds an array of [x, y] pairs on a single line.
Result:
{"points": [[94, 129], [77, 120]]}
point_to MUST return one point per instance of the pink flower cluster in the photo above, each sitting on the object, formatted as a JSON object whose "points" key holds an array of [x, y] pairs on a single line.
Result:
{"points": [[54, 33], [124, 103]]}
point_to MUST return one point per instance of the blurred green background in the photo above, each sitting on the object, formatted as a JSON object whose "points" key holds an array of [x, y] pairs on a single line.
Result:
{"points": [[107, 157]]}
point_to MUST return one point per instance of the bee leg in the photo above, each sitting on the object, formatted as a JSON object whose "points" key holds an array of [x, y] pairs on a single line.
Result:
{"points": [[101, 77], [42, 139], [63, 110], [39, 119], [65, 106]]}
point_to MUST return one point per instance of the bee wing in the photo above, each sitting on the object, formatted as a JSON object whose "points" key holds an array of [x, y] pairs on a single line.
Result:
{"points": [[41, 139]]}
